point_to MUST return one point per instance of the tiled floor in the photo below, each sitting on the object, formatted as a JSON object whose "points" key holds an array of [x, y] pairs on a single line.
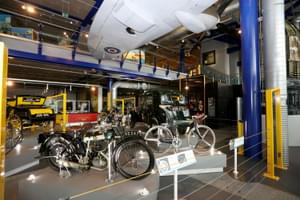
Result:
{"points": [[250, 183]]}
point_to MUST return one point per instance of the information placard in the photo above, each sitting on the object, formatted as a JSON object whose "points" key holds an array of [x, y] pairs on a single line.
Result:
{"points": [[236, 142], [170, 163]]}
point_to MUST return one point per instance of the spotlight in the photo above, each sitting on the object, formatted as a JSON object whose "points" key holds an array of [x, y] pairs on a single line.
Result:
{"points": [[10, 83], [186, 87], [86, 35], [23, 7], [93, 89], [30, 9], [239, 31], [71, 22], [65, 33]]}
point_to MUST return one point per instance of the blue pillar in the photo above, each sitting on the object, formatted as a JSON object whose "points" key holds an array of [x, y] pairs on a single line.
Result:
{"points": [[251, 78], [110, 83]]}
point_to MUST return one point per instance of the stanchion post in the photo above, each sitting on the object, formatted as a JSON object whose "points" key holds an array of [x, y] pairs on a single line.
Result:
{"points": [[176, 184], [109, 175], [270, 173], [3, 92], [65, 117], [240, 124], [235, 171]]}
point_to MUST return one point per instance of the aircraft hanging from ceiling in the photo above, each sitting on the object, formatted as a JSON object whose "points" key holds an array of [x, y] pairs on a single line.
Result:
{"points": [[124, 25]]}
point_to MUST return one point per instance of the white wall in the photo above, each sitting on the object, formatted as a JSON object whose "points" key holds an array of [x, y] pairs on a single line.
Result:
{"points": [[222, 58], [294, 130], [234, 58]]}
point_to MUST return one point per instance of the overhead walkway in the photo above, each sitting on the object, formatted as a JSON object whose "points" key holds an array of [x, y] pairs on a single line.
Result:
{"points": [[45, 52]]}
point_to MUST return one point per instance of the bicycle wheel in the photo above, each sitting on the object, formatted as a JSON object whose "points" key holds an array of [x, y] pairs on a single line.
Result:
{"points": [[14, 134], [133, 159], [159, 139], [202, 140]]}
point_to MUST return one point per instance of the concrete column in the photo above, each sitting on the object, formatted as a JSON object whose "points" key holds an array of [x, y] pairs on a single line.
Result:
{"points": [[275, 61]]}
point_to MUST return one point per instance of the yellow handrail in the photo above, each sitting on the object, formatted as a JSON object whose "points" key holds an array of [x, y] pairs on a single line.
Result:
{"points": [[270, 173], [3, 93]]}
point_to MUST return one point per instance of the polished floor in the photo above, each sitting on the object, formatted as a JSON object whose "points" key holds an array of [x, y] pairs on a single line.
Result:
{"points": [[249, 183]]}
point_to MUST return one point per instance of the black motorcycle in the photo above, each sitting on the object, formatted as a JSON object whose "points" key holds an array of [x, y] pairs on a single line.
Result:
{"points": [[131, 157]]}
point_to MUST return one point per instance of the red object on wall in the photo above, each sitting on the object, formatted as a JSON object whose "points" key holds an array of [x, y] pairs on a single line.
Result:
{"points": [[82, 117]]}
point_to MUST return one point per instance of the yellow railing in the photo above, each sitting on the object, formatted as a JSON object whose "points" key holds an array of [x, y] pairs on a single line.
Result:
{"points": [[3, 93], [63, 122], [123, 101], [272, 94]]}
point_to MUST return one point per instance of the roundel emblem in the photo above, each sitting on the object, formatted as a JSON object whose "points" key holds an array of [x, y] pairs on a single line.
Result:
{"points": [[112, 50]]}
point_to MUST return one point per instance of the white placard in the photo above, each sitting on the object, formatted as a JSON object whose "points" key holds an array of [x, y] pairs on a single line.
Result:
{"points": [[236, 142], [170, 163]]}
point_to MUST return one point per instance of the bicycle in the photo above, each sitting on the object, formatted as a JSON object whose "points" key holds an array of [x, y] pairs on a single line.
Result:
{"points": [[161, 138], [201, 137]]}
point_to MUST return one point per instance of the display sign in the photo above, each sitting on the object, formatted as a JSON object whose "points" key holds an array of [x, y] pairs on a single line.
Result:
{"points": [[237, 142], [170, 163]]}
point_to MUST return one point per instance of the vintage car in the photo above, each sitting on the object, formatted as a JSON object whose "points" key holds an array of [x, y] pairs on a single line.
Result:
{"points": [[162, 106]]}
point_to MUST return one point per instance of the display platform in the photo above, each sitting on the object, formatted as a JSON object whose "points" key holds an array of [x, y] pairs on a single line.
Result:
{"points": [[209, 162], [46, 184], [212, 161]]}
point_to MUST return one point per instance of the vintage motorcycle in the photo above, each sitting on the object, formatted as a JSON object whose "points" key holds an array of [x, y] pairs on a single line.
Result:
{"points": [[131, 157]]}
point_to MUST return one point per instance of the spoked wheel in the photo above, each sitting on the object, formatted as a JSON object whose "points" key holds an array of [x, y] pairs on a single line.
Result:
{"points": [[133, 159], [14, 133], [202, 140], [58, 151], [159, 139]]}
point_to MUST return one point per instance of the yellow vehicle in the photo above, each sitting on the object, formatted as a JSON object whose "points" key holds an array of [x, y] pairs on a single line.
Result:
{"points": [[23, 112]]}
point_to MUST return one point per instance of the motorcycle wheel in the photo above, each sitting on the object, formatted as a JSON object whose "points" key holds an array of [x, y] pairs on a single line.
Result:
{"points": [[133, 159], [58, 150]]}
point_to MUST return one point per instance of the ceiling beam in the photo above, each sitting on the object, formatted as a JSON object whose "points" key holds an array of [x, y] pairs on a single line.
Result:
{"points": [[43, 7]]}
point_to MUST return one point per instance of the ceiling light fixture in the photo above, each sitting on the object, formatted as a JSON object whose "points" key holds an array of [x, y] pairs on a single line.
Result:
{"points": [[23, 7], [239, 31], [10, 83], [93, 88], [30, 9], [86, 35]]}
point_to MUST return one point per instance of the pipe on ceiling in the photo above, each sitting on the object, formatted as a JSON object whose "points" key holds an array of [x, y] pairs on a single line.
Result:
{"points": [[129, 85], [234, 6]]}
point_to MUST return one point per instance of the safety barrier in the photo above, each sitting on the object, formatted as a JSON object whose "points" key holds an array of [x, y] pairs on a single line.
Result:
{"points": [[62, 119], [3, 93], [123, 102], [272, 94]]}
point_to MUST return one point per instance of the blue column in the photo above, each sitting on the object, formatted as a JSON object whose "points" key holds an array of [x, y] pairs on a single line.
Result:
{"points": [[110, 83], [251, 78]]}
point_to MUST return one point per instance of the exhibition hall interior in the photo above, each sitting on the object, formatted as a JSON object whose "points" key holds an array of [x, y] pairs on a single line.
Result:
{"points": [[149, 99]]}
